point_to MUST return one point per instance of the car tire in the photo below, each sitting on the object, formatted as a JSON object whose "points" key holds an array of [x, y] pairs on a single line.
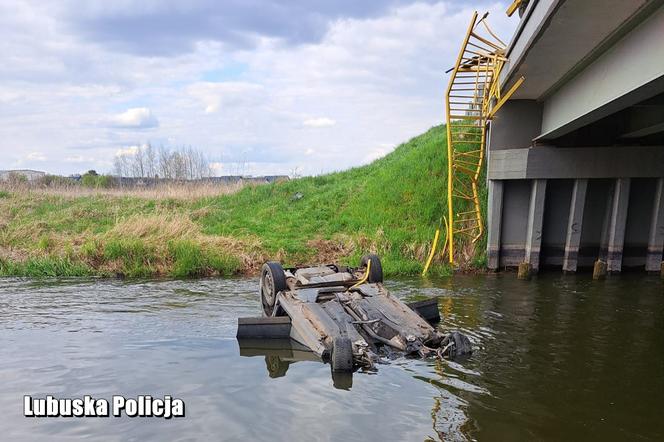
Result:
{"points": [[273, 281], [342, 354], [376, 271]]}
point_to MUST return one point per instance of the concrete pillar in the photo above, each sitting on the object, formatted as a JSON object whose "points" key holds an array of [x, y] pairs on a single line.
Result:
{"points": [[656, 237], [495, 216], [574, 225], [535, 220], [617, 221]]}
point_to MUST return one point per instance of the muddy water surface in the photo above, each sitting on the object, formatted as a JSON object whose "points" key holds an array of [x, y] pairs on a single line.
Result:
{"points": [[557, 358]]}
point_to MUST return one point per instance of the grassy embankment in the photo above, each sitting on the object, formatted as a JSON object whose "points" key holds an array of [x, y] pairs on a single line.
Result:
{"points": [[391, 206]]}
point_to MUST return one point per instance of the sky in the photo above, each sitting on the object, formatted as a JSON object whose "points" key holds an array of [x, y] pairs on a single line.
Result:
{"points": [[260, 86]]}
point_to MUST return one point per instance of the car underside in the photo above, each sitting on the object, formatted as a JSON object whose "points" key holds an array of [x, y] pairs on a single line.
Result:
{"points": [[346, 316]]}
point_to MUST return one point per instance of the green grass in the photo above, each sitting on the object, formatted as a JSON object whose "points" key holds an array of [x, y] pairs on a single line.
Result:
{"points": [[390, 207], [191, 259], [48, 266]]}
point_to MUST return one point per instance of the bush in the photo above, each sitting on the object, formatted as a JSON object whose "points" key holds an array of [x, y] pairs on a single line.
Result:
{"points": [[97, 181]]}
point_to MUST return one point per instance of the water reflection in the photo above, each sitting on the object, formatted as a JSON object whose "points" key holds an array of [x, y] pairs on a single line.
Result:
{"points": [[556, 358]]}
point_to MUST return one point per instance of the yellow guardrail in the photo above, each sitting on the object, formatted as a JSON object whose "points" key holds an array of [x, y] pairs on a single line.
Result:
{"points": [[472, 98]]}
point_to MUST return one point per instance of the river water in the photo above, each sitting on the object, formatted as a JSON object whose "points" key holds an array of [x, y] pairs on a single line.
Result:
{"points": [[557, 358]]}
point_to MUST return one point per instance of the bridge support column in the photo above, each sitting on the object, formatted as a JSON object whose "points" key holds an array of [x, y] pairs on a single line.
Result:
{"points": [[574, 225], [495, 215], [656, 237], [535, 220], [616, 225]]}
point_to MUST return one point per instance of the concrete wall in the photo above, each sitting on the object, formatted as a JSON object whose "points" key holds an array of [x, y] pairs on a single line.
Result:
{"points": [[607, 84], [595, 208], [556, 213], [619, 220], [514, 221], [641, 200], [518, 122], [577, 162]]}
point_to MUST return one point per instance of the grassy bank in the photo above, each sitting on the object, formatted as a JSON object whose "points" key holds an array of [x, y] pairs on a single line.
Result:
{"points": [[390, 207]]}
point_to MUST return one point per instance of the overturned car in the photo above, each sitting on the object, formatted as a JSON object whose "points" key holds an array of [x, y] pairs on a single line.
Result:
{"points": [[345, 316]]}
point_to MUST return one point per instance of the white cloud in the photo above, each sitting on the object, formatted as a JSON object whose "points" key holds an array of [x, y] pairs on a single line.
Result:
{"points": [[35, 156], [79, 159], [319, 122], [135, 118], [127, 151], [380, 76], [228, 94]]}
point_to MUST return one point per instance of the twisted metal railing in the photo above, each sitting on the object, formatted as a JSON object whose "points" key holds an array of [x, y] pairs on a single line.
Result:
{"points": [[473, 97]]}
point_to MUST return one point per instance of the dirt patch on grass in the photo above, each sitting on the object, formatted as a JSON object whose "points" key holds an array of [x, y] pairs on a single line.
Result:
{"points": [[11, 254], [329, 251]]}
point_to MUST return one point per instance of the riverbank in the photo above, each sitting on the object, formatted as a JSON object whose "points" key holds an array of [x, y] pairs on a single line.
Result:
{"points": [[390, 207]]}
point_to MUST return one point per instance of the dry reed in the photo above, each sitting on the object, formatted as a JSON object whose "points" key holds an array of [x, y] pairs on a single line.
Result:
{"points": [[172, 190]]}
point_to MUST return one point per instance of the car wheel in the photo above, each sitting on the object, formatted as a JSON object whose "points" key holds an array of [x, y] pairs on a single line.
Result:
{"points": [[273, 281], [376, 271], [342, 354]]}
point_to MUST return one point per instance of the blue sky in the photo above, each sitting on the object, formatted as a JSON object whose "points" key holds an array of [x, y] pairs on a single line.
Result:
{"points": [[262, 87]]}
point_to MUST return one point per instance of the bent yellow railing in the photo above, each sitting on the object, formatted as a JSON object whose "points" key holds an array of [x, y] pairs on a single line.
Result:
{"points": [[472, 98]]}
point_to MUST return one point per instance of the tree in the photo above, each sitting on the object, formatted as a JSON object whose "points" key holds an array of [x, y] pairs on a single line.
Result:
{"points": [[185, 163]]}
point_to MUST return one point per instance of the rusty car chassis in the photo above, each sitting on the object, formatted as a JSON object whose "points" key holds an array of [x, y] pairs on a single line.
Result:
{"points": [[346, 316]]}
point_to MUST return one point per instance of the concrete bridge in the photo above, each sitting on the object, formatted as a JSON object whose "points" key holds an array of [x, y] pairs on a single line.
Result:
{"points": [[576, 156]]}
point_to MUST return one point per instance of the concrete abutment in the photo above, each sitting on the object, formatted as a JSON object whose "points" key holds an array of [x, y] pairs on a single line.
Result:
{"points": [[571, 223]]}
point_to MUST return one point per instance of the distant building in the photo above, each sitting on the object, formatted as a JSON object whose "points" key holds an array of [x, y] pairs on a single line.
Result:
{"points": [[30, 175]]}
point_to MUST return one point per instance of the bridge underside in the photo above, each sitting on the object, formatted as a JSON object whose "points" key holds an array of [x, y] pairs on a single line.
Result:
{"points": [[576, 156], [596, 193]]}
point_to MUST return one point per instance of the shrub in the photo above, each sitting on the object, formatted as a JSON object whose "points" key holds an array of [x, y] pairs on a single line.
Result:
{"points": [[97, 181]]}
